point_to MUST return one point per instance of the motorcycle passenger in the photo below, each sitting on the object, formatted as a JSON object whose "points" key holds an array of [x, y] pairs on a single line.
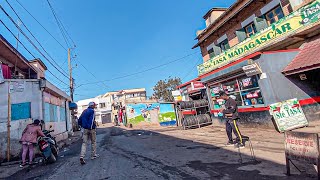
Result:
{"points": [[29, 139]]}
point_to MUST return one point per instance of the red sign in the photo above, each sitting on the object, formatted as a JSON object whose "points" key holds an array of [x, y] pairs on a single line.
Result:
{"points": [[197, 85]]}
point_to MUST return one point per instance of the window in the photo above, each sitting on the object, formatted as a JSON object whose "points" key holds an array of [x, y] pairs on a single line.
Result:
{"points": [[274, 15], [211, 53], [250, 29], [245, 90], [102, 105], [224, 45]]}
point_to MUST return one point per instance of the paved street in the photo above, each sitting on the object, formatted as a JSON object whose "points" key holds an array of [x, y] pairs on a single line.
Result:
{"points": [[167, 153]]}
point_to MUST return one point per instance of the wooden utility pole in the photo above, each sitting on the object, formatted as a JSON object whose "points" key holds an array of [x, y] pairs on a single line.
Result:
{"points": [[8, 123], [70, 74]]}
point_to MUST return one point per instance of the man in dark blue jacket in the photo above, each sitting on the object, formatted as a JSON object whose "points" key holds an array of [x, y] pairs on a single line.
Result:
{"points": [[87, 122], [231, 115]]}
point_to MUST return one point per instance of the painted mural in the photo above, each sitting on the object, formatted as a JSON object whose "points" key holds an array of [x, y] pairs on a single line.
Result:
{"points": [[167, 116], [139, 113], [156, 113]]}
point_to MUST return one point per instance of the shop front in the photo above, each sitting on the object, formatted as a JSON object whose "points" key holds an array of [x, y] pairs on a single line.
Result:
{"points": [[255, 82]]}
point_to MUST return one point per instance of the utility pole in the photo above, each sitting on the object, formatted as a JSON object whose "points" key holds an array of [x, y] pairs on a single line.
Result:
{"points": [[9, 124], [70, 75]]}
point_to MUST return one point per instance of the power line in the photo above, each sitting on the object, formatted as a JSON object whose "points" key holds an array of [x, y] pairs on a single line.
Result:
{"points": [[189, 72], [139, 72], [59, 24], [35, 37], [31, 41], [92, 74], [41, 25], [28, 49]]}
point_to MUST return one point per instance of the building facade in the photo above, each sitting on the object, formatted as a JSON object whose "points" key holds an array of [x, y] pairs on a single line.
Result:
{"points": [[26, 95], [261, 52], [109, 104]]}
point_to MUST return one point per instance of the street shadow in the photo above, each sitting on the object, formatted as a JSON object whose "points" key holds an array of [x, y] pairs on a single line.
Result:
{"points": [[188, 159]]}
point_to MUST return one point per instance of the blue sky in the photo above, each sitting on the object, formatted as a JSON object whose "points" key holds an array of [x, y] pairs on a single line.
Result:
{"points": [[116, 38]]}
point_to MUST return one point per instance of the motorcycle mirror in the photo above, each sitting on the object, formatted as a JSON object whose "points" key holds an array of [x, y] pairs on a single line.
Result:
{"points": [[50, 126]]}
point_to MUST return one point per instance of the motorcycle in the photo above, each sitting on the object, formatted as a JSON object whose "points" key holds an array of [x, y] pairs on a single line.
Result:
{"points": [[48, 147]]}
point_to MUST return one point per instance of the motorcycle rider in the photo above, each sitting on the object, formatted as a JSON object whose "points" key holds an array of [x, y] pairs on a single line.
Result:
{"points": [[29, 139], [87, 122]]}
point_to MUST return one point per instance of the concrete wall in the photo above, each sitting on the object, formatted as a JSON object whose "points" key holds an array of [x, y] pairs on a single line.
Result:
{"points": [[32, 94]]}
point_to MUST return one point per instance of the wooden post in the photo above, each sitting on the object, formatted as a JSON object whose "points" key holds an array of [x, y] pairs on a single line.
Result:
{"points": [[288, 166], [318, 160], [8, 123]]}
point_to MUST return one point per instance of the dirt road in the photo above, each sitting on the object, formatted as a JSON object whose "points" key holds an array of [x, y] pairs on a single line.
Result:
{"points": [[156, 154]]}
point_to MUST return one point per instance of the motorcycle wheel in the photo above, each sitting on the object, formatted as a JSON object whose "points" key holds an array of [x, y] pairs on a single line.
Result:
{"points": [[55, 151], [52, 158]]}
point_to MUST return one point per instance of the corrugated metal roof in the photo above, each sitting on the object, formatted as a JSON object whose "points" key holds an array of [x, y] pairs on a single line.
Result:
{"points": [[308, 58]]}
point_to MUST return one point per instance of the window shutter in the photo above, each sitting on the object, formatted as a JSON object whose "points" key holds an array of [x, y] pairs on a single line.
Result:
{"points": [[216, 50], [241, 34], [260, 23]]}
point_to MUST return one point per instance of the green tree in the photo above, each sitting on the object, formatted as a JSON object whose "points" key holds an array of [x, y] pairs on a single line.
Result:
{"points": [[162, 90]]}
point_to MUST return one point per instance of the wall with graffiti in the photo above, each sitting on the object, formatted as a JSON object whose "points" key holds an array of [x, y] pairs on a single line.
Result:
{"points": [[151, 113]]}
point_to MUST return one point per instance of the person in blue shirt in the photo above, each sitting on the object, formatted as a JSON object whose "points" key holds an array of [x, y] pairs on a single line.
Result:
{"points": [[88, 123]]}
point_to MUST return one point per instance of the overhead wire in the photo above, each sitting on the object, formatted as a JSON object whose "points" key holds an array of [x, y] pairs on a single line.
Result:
{"points": [[31, 41], [42, 26], [139, 72], [194, 66], [35, 37], [59, 25], [28, 49]]}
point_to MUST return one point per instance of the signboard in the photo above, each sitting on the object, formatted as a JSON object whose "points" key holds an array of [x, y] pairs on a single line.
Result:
{"points": [[176, 95], [301, 146], [288, 115], [285, 26], [17, 86], [252, 69], [197, 85], [1, 75]]}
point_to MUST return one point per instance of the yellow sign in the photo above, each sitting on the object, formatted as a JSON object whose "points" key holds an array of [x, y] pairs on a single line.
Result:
{"points": [[278, 30]]}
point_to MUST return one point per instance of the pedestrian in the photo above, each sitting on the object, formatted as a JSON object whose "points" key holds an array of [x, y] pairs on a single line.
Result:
{"points": [[88, 123], [29, 139], [230, 112]]}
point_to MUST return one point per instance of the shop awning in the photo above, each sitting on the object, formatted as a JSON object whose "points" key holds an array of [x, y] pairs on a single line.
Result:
{"points": [[307, 59]]}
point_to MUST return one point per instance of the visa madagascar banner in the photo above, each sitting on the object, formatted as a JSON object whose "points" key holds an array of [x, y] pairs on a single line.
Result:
{"points": [[287, 25]]}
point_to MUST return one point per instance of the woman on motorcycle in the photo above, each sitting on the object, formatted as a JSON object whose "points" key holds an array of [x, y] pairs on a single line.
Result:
{"points": [[29, 139]]}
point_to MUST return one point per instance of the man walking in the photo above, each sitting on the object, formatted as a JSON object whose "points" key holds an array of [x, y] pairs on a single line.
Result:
{"points": [[87, 122], [231, 114]]}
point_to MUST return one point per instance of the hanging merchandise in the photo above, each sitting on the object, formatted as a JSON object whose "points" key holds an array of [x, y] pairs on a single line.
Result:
{"points": [[255, 94], [246, 82], [1, 75], [6, 71]]}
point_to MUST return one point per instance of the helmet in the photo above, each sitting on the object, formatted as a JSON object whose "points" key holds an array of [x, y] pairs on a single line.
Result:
{"points": [[92, 104]]}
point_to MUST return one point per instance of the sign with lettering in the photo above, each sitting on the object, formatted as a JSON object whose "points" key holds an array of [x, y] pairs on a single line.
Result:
{"points": [[302, 146], [288, 115], [252, 69], [284, 27]]}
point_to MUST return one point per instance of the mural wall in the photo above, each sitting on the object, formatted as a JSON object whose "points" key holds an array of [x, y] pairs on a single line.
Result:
{"points": [[167, 116], [151, 113]]}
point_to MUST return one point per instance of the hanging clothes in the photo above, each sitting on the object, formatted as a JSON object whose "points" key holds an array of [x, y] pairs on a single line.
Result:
{"points": [[6, 71]]}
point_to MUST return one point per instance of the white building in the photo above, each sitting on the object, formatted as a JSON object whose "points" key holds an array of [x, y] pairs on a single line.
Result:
{"points": [[103, 108]]}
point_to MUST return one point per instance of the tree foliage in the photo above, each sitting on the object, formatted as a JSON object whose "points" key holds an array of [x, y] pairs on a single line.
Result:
{"points": [[162, 90]]}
